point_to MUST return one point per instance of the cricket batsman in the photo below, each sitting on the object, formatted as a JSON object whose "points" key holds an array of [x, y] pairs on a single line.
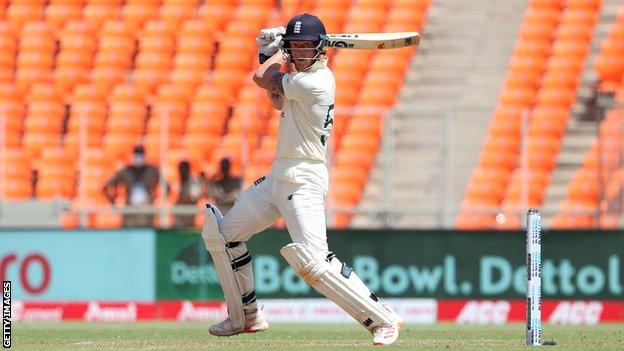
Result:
{"points": [[295, 189]]}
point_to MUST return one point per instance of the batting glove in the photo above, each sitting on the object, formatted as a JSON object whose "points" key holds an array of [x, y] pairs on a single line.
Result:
{"points": [[268, 35], [269, 42], [265, 52]]}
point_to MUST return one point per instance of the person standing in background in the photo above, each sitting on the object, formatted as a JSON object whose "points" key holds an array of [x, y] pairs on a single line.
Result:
{"points": [[224, 188], [189, 192], [140, 181]]}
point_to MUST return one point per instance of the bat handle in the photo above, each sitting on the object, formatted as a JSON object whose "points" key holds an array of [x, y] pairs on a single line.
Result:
{"points": [[262, 58]]}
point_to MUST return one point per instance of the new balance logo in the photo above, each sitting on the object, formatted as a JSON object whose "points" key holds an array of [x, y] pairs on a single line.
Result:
{"points": [[259, 180], [289, 197], [367, 322]]}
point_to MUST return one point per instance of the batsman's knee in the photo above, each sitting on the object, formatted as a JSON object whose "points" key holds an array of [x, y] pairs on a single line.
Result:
{"points": [[211, 234], [338, 282], [305, 262]]}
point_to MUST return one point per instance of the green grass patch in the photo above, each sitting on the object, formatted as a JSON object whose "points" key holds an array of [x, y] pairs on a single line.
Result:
{"points": [[194, 336]]}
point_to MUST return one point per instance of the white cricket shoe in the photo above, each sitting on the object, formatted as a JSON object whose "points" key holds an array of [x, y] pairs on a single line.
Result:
{"points": [[385, 335], [398, 320], [253, 323]]}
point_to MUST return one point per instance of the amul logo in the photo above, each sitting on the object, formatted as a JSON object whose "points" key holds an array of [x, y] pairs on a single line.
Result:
{"points": [[297, 28]]}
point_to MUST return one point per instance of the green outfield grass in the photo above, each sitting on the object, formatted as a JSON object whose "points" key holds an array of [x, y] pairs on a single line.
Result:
{"points": [[194, 336]]}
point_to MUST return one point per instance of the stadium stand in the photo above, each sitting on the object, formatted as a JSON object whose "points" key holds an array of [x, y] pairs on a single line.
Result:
{"points": [[596, 187], [540, 88], [85, 80]]}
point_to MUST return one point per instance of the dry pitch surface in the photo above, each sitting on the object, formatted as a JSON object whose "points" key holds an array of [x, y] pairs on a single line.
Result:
{"points": [[194, 336]]}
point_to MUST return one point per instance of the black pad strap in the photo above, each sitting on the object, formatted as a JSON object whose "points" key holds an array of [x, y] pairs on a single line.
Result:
{"points": [[241, 261], [249, 298], [233, 244], [374, 297], [346, 270]]}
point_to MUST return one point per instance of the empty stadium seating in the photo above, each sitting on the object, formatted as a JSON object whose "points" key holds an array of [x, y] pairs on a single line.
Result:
{"points": [[539, 90], [83, 81]]}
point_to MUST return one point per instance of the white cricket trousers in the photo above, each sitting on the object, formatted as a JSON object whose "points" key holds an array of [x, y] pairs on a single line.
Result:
{"points": [[295, 190]]}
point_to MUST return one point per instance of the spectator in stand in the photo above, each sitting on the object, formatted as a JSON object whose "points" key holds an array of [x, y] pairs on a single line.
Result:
{"points": [[224, 188], [189, 192], [140, 181]]}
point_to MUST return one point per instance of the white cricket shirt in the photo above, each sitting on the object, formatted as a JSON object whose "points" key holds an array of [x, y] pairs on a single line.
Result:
{"points": [[307, 113]]}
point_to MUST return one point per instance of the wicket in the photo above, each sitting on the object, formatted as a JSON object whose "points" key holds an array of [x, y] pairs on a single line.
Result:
{"points": [[534, 276]]}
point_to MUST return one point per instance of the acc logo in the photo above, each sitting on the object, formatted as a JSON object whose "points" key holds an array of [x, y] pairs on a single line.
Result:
{"points": [[339, 44], [577, 312], [484, 312]]}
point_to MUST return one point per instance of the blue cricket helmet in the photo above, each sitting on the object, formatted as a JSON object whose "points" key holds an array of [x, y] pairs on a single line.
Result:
{"points": [[305, 27]]}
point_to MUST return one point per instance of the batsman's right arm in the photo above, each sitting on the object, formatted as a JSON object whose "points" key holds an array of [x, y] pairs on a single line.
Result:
{"points": [[268, 75]]}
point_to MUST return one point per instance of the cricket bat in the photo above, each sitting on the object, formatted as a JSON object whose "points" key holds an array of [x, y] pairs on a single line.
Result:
{"points": [[373, 41]]}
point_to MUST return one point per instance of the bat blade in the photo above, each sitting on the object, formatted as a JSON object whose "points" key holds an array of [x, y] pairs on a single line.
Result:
{"points": [[373, 41]]}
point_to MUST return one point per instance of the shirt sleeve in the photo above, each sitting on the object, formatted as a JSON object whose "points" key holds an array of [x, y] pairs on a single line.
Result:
{"points": [[298, 87]]}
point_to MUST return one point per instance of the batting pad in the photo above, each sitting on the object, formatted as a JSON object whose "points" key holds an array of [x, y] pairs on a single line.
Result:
{"points": [[338, 283], [233, 265]]}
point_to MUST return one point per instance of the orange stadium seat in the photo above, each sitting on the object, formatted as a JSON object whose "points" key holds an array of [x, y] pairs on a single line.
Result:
{"points": [[236, 43], [34, 59], [80, 59], [490, 175], [135, 15], [377, 96], [16, 189], [349, 175], [200, 147], [569, 221], [153, 145], [537, 31], [470, 221], [124, 123], [345, 194], [176, 13], [494, 142], [539, 48], [97, 14], [547, 128], [115, 52], [206, 118], [34, 142], [556, 97], [542, 15], [505, 127], [591, 5], [65, 78], [485, 190], [575, 31], [105, 78], [362, 27], [228, 81], [57, 14], [354, 158], [217, 14], [18, 14], [17, 163], [332, 19], [108, 220], [503, 159], [119, 145]]}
